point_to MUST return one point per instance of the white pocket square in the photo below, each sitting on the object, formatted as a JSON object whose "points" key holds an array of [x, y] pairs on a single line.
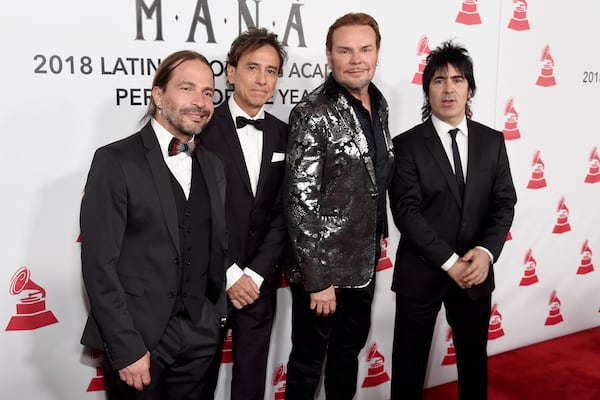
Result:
{"points": [[277, 157]]}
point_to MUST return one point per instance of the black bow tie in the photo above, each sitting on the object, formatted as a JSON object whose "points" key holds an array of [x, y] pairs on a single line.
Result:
{"points": [[176, 146], [241, 122]]}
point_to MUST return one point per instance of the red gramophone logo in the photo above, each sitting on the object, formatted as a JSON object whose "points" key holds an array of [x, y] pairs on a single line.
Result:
{"points": [[468, 14], [423, 51], [537, 180], [554, 315], [227, 354], [376, 374], [97, 383], [546, 77], [31, 308], [593, 175], [279, 377], [450, 357], [508, 236], [495, 330], [562, 219], [530, 274], [511, 119], [384, 261], [585, 266], [519, 21]]}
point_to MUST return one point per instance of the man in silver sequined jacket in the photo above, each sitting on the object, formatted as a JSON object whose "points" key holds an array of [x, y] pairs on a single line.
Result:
{"points": [[338, 167]]}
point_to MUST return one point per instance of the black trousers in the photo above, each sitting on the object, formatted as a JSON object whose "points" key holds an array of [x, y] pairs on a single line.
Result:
{"points": [[251, 336], [178, 363], [413, 333], [337, 338]]}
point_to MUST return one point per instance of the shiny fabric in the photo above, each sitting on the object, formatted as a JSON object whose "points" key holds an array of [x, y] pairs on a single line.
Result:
{"points": [[331, 191]]}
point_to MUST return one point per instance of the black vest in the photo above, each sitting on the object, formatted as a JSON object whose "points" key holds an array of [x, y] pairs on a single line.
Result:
{"points": [[193, 221]]}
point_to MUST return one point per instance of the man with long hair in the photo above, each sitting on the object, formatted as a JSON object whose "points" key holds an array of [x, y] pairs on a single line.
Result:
{"points": [[153, 246]]}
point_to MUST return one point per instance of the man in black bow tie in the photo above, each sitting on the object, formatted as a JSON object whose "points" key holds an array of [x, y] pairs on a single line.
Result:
{"points": [[153, 246], [252, 144]]}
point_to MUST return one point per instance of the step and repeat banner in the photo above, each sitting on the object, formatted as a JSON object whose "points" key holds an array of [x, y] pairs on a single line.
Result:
{"points": [[77, 75]]}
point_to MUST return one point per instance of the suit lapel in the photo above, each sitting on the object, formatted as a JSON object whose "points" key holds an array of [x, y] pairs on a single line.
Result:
{"points": [[228, 131], [433, 143], [160, 175], [267, 152], [357, 134], [216, 193], [476, 145]]}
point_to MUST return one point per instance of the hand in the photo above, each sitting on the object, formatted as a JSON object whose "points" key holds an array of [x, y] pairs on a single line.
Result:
{"points": [[138, 373], [457, 272], [479, 267], [243, 292], [323, 302]]}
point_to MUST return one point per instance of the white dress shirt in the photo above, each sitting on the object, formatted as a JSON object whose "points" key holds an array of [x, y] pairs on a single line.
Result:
{"points": [[462, 141], [251, 140], [180, 164]]}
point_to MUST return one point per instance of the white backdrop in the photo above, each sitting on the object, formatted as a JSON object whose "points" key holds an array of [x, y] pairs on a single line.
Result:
{"points": [[75, 74]]}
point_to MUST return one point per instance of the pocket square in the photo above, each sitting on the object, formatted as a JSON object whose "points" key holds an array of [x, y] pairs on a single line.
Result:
{"points": [[277, 157]]}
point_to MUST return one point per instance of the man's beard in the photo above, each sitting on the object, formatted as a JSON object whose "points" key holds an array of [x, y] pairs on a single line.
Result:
{"points": [[176, 120]]}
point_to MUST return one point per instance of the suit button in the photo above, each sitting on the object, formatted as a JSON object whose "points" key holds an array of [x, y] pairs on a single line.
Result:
{"points": [[184, 294], [172, 294], [252, 233], [373, 195], [176, 260], [188, 214]]}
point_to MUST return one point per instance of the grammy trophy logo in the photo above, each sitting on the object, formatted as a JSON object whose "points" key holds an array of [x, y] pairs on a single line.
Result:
{"points": [[31, 308]]}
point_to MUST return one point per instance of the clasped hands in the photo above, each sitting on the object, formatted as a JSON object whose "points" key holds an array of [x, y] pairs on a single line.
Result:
{"points": [[243, 292], [471, 269]]}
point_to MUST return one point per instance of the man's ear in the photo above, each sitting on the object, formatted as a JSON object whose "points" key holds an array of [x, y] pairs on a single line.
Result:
{"points": [[230, 70], [157, 94]]}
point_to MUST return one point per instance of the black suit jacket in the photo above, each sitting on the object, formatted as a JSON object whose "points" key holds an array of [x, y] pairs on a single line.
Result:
{"points": [[255, 224], [130, 246], [432, 219]]}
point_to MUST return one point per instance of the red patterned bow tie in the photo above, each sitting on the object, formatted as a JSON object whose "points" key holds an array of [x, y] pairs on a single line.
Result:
{"points": [[176, 146]]}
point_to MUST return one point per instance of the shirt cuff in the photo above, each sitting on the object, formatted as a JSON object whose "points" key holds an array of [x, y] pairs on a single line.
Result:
{"points": [[488, 253], [450, 262], [234, 273], [254, 276]]}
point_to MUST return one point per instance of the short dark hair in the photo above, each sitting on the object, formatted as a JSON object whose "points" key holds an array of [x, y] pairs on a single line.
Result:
{"points": [[352, 19], [252, 39], [163, 73], [446, 54]]}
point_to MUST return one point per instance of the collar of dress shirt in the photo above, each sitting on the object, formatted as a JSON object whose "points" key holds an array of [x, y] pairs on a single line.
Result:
{"points": [[164, 137], [236, 111], [442, 127]]}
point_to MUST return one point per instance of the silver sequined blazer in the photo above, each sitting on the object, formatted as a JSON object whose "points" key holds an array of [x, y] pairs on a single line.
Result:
{"points": [[331, 192]]}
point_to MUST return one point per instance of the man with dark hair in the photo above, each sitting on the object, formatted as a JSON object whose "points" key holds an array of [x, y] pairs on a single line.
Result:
{"points": [[452, 198], [251, 142], [339, 162], [153, 246]]}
